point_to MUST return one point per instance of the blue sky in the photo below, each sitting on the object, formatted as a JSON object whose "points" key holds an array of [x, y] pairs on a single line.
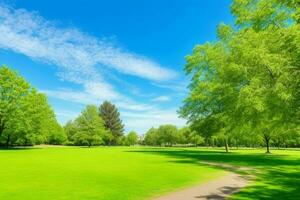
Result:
{"points": [[129, 52]]}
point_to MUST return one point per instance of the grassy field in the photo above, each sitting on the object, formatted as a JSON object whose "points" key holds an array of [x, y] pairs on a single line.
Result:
{"points": [[72, 173], [138, 173], [277, 174]]}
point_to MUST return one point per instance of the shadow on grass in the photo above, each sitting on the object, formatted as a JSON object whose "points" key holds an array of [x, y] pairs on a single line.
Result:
{"points": [[18, 148], [276, 176]]}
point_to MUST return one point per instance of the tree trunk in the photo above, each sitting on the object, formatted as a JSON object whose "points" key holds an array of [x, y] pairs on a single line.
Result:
{"points": [[267, 140], [25, 142], [268, 150], [7, 141], [1, 129], [226, 144]]}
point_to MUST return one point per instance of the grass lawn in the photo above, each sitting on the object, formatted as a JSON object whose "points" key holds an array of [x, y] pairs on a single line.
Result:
{"points": [[277, 174], [74, 173], [139, 173]]}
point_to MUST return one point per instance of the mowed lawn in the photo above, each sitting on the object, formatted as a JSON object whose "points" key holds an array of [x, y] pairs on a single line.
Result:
{"points": [[103, 173], [120, 173], [277, 175]]}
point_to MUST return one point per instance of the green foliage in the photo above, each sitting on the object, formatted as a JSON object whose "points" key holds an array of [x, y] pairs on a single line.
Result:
{"points": [[13, 88], [196, 139], [26, 118], [248, 81], [87, 129], [42, 126], [152, 137], [70, 129], [57, 134], [132, 138], [169, 135], [111, 116]]}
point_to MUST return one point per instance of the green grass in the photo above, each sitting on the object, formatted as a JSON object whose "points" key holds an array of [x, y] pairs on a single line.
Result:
{"points": [[139, 173], [277, 175], [74, 173]]}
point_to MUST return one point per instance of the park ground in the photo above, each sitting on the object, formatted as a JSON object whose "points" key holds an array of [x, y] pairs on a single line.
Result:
{"points": [[140, 173]]}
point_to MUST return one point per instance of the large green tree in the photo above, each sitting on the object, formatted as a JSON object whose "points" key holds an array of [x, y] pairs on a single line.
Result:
{"points": [[26, 118], [152, 137], [40, 121], [111, 116], [13, 89], [90, 129], [248, 79], [168, 134]]}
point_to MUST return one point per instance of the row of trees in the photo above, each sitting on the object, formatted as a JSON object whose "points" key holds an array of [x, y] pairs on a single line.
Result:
{"points": [[101, 126], [170, 135], [26, 118], [95, 126], [247, 82]]}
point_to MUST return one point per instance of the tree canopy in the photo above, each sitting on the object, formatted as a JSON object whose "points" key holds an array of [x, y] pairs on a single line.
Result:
{"points": [[90, 128], [26, 118], [111, 116], [248, 80], [132, 138]]}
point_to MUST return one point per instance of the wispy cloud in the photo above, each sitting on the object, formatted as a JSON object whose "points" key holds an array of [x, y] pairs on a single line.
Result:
{"points": [[161, 99], [136, 116], [180, 87], [75, 51], [82, 59], [145, 120], [91, 97]]}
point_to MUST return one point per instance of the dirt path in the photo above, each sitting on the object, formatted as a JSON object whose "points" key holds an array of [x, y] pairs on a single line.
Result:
{"points": [[213, 190]]}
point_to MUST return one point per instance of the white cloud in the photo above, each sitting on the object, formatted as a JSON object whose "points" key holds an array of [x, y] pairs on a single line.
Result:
{"points": [[142, 121], [101, 91], [71, 96], [65, 115], [161, 99], [76, 52], [84, 97], [180, 87], [136, 116], [81, 59]]}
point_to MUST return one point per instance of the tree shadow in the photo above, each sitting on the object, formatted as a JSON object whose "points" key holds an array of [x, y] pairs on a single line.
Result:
{"points": [[18, 148], [223, 192], [276, 176]]}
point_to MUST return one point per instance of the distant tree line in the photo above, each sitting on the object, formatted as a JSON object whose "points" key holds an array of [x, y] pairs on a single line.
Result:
{"points": [[99, 126], [170, 135]]}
